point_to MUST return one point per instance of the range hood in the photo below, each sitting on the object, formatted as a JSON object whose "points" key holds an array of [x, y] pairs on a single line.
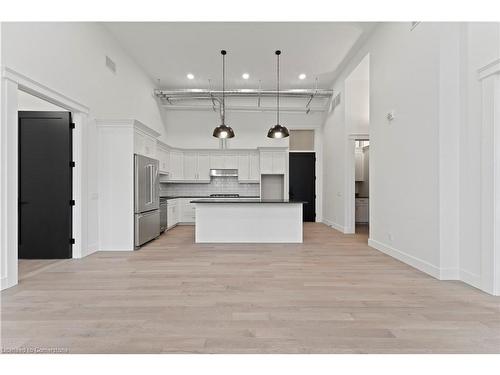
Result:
{"points": [[223, 172]]}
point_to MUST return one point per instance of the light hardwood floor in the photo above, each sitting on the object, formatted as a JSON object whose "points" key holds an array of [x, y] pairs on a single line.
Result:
{"points": [[332, 294]]}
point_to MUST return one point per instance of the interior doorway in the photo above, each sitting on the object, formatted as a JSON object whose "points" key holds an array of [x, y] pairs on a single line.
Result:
{"points": [[302, 182], [45, 185], [362, 186], [357, 171]]}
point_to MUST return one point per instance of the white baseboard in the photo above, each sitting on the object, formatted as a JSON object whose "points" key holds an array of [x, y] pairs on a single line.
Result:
{"points": [[449, 274], [4, 283], [334, 225], [415, 262], [470, 278], [91, 249]]}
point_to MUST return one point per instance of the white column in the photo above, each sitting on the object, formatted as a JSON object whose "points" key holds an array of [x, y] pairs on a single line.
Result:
{"points": [[489, 76], [8, 183]]}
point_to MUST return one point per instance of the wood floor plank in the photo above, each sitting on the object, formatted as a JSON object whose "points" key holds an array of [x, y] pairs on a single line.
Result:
{"points": [[331, 294]]}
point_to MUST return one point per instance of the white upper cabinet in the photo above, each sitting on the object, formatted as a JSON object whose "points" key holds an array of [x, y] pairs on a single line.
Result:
{"points": [[144, 144], [279, 162], [243, 167], [190, 166], [273, 162], [163, 156], [248, 167], [216, 161], [204, 166], [176, 165], [254, 167], [230, 161], [223, 160], [196, 166]]}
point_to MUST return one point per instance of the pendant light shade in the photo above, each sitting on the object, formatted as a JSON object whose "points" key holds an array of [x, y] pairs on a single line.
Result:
{"points": [[223, 131], [278, 131]]}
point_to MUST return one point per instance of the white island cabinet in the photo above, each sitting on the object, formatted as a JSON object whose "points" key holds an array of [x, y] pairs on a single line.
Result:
{"points": [[248, 221]]}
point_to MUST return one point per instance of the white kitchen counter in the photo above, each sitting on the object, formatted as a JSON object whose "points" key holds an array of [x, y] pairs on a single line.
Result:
{"points": [[248, 221]]}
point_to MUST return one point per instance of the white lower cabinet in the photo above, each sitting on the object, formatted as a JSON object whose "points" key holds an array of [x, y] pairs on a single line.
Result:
{"points": [[362, 210], [187, 210], [172, 213], [180, 211]]}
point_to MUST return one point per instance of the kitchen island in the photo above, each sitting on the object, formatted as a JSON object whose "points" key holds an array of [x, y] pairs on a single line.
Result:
{"points": [[248, 220]]}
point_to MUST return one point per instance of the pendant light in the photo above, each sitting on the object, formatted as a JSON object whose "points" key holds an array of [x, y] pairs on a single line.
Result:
{"points": [[278, 131], [223, 131]]}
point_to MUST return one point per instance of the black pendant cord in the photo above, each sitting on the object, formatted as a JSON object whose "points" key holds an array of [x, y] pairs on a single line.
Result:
{"points": [[223, 52], [278, 87]]}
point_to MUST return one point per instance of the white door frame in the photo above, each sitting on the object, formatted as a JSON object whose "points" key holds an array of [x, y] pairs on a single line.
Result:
{"points": [[350, 184], [11, 82], [489, 76]]}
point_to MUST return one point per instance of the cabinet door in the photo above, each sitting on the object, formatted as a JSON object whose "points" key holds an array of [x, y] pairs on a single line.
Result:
{"points": [[266, 162], [254, 173], [170, 216], [359, 175], [217, 161], [203, 166], [162, 158], [190, 166], [231, 161], [279, 162], [177, 165], [243, 167]]}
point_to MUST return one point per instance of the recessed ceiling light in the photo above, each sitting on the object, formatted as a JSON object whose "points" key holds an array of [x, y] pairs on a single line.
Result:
{"points": [[246, 75], [302, 76], [190, 76]]}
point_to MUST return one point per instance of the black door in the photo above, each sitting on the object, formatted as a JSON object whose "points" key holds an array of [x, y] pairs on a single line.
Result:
{"points": [[302, 181], [45, 185]]}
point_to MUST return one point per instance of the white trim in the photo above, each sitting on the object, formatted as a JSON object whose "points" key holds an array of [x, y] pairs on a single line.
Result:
{"points": [[4, 283], [13, 81], [470, 278], [128, 123], [334, 225], [449, 274], [359, 136], [415, 262], [489, 69], [41, 91], [350, 184]]}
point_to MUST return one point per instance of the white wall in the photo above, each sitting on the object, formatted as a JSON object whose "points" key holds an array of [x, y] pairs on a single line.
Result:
{"points": [[27, 102], [193, 129], [480, 46], [69, 58], [404, 70], [426, 165]]}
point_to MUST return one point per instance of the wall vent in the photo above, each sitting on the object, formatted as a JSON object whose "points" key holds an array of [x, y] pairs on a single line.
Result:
{"points": [[110, 64]]}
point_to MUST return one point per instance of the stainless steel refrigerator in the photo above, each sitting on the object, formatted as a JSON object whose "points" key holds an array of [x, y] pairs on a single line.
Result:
{"points": [[146, 200]]}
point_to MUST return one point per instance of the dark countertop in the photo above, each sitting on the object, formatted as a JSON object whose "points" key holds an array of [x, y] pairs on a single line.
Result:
{"points": [[243, 200], [204, 196]]}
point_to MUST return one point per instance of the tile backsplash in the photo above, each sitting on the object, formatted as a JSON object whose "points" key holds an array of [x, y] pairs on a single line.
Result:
{"points": [[218, 185]]}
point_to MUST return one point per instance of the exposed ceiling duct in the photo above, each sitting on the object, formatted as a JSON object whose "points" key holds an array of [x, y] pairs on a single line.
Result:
{"points": [[300, 100]]}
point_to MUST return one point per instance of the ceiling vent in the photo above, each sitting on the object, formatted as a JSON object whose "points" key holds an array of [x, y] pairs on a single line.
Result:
{"points": [[110, 64]]}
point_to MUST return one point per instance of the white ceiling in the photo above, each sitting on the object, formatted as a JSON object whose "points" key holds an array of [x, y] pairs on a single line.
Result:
{"points": [[169, 50]]}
